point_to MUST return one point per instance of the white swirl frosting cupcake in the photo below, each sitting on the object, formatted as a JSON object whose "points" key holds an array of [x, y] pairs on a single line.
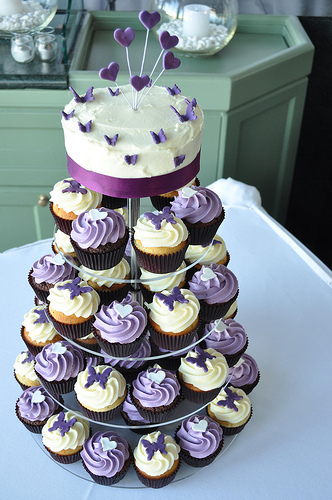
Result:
{"points": [[232, 409]]}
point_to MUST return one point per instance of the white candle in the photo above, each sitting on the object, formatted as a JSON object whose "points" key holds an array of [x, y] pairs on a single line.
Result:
{"points": [[196, 20], [10, 7], [22, 53]]}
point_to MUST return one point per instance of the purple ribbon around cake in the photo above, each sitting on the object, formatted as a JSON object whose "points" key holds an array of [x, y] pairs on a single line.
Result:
{"points": [[134, 188]]}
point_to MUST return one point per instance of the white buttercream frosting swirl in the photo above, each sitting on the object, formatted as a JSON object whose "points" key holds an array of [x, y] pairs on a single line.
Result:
{"points": [[160, 462], [105, 277], [210, 374], [38, 330], [169, 235], [76, 202], [96, 396], [228, 413], [82, 305], [25, 368], [72, 439], [164, 281], [216, 253]]}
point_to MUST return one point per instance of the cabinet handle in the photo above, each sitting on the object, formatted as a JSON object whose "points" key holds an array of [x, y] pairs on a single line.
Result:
{"points": [[43, 200]]}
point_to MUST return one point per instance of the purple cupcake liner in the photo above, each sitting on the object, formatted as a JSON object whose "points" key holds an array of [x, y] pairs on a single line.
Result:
{"points": [[232, 359], [198, 462], [156, 482], [40, 293], [173, 342], [200, 397], [109, 481], [100, 260], [155, 414], [113, 202], [116, 349], [71, 331], [106, 297], [232, 431], [248, 388], [63, 224], [55, 387], [65, 459], [101, 416], [209, 312], [34, 427], [160, 264], [203, 233]]}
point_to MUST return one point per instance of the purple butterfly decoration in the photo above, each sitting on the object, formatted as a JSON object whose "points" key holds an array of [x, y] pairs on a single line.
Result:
{"points": [[114, 93], [157, 219], [200, 361], [69, 115], [29, 357], [62, 424], [150, 448], [42, 316], [229, 402], [194, 102], [189, 116], [111, 141], [158, 138], [149, 19], [85, 128], [97, 377], [131, 159], [178, 160], [125, 37], [74, 187], [214, 242], [74, 288], [86, 98], [174, 90], [175, 296]]}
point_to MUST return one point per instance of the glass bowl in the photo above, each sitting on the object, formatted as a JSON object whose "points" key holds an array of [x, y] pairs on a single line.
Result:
{"points": [[203, 27], [16, 15]]}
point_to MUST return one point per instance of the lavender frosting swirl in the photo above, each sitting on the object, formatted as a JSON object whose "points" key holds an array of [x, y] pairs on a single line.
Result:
{"points": [[54, 366], [88, 230], [144, 351], [219, 289], [228, 341], [246, 373], [102, 461], [51, 269], [202, 206], [150, 393], [198, 443], [38, 410], [114, 326], [131, 411]]}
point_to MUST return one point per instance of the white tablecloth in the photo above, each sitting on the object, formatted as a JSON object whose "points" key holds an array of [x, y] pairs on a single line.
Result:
{"points": [[286, 308]]}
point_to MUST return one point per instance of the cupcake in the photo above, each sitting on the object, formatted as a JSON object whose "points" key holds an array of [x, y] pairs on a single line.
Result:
{"points": [[106, 457], [120, 326], [72, 304], [227, 337], [216, 288], [49, 270], [110, 284], [155, 393], [88, 342], [100, 390], [99, 238], [202, 212], [200, 439], [156, 459], [245, 374], [24, 370], [113, 202], [232, 410], [133, 418], [171, 362], [68, 199], [209, 253], [160, 241], [37, 331], [35, 406], [58, 365], [153, 282], [64, 434], [173, 318], [202, 373], [62, 244], [164, 200]]}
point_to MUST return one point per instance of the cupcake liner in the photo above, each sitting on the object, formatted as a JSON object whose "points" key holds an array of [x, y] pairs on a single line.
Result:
{"points": [[248, 388], [198, 462], [108, 296], [71, 331], [61, 387], [156, 482], [155, 414], [160, 264], [113, 202], [168, 363], [64, 459], [200, 397], [209, 312], [102, 258], [101, 416], [63, 224], [116, 349], [232, 359], [173, 342], [34, 427], [231, 431], [108, 481], [137, 429], [36, 349], [203, 233], [41, 291]]}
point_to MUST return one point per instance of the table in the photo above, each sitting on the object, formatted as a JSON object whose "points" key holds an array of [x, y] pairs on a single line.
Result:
{"points": [[285, 307]]}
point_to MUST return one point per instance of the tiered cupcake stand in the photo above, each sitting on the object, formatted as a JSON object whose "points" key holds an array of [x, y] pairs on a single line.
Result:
{"points": [[184, 410]]}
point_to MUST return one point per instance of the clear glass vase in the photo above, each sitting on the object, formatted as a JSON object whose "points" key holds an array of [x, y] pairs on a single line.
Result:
{"points": [[203, 27], [16, 15]]}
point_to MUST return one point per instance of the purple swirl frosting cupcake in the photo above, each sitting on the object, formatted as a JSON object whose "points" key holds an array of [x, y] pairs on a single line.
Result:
{"points": [[119, 326], [155, 393], [245, 375], [130, 366], [200, 439], [227, 337], [132, 413], [34, 407], [216, 287], [106, 457], [57, 366]]}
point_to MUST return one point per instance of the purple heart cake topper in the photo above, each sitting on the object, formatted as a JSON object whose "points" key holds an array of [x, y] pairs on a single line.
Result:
{"points": [[124, 37], [170, 62], [110, 73], [149, 20], [167, 41], [139, 82]]}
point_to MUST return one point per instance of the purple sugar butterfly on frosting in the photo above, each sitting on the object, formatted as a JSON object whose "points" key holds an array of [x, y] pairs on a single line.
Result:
{"points": [[157, 219], [42, 316], [75, 288], [93, 376], [231, 397], [88, 97], [201, 358], [175, 296], [74, 187], [158, 445], [62, 424]]}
